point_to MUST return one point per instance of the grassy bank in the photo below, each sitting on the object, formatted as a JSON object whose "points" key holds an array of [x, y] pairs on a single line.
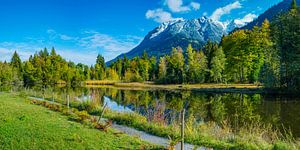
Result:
{"points": [[255, 136], [248, 88], [26, 126], [252, 137]]}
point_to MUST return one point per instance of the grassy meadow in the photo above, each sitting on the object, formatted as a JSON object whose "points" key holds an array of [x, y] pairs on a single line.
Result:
{"points": [[27, 126], [254, 136]]}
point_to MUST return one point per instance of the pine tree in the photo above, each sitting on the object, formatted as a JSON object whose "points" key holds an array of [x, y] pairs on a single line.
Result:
{"points": [[269, 74], [29, 74], [144, 66], [100, 61], [53, 52], [17, 69], [286, 31], [125, 65], [16, 61], [294, 4], [153, 69], [100, 68]]}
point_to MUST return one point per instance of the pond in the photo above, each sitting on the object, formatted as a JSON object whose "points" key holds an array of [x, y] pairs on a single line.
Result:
{"points": [[236, 110]]}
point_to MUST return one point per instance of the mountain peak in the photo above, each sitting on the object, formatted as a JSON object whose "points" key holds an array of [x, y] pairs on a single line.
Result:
{"points": [[178, 32], [164, 26]]}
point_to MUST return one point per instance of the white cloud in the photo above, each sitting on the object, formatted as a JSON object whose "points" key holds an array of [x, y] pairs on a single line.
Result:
{"points": [[195, 5], [106, 45], [218, 13], [87, 57], [177, 6], [53, 35], [83, 49], [248, 18], [159, 15], [24, 50], [111, 46], [66, 37]]}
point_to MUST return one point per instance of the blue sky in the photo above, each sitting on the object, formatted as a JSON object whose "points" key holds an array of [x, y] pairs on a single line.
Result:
{"points": [[80, 29]]}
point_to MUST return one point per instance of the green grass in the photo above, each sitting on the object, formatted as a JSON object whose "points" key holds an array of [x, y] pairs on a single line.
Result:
{"points": [[27, 126], [255, 136]]}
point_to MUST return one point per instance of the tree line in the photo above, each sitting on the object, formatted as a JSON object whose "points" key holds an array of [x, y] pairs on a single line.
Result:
{"points": [[269, 54]]}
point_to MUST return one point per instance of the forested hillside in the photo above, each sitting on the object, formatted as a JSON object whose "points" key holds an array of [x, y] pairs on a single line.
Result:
{"points": [[271, 13], [267, 54]]}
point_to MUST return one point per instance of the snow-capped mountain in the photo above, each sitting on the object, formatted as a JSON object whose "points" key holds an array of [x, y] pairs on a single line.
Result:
{"points": [[197, 32], [179, 32]]}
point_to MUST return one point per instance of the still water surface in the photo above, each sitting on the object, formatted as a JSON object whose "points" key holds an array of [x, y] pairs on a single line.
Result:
{"points": [[236, 109]]}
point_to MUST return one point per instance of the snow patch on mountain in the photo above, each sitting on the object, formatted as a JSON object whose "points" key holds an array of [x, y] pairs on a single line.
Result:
{"points": [[180, 32]]}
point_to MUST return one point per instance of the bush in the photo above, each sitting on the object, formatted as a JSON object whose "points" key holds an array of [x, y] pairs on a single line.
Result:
{"points": [[280, 146], [83, 115]]}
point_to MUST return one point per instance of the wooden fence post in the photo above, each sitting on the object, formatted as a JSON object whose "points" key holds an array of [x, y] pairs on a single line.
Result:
{"points": [[68, 101], [52, 97], [182, 129], [102, 112]]}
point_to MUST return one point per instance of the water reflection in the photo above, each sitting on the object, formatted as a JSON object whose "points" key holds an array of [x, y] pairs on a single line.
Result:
{"points": [[115, 106], [234, 109]]}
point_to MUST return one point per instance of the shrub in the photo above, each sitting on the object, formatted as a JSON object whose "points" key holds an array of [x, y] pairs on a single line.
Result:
{"points": [[280, 146], [83, 115]]}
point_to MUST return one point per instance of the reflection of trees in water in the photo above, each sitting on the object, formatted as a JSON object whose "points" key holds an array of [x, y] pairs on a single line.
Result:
{"points": [[164, 106], [233, 109], [97, 97]]}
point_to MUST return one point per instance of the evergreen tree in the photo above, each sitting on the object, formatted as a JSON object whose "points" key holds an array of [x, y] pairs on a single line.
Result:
{"points": [[16, 64], [209, 49], [16, 61], [100, 68], [286, 31], [269, 74], [125, 65], [144, 66], [153, 69], [100, 61], [294, 4], [87, 72], [29, 74]]}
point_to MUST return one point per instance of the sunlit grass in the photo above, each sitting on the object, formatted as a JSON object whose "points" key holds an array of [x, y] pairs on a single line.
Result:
{"points": [[27, 126], [94, 83], [210, 134]]}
